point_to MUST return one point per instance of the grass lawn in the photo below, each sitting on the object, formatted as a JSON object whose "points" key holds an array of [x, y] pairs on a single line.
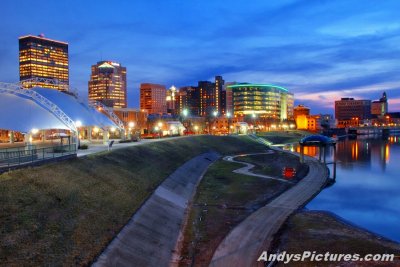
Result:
{"points": [[323, 232], [283, 137], [273, 164], [223, 200], [66, 213]]}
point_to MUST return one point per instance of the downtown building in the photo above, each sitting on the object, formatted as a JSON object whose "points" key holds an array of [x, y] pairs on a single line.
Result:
{"points": [[211, 97], [107, 84], [262, 100], [153, 98], [380, 107], [188, 98], [351, 112], [43, 63]]}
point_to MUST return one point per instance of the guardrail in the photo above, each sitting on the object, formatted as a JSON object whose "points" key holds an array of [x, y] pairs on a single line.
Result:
{"points": [[30, 154]]}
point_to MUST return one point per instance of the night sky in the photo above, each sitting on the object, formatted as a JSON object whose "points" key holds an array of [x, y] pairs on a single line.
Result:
{"points": [[319, 50]]}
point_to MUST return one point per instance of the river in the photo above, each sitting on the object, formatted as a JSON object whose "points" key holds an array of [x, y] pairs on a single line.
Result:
{"points": [[367, 188]]}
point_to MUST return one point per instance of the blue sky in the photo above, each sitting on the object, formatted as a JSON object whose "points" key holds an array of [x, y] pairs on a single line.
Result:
{"points": [[319, 50]]}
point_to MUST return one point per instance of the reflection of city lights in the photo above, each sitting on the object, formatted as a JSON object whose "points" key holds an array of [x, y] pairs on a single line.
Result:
{"points": [[387, 153]]}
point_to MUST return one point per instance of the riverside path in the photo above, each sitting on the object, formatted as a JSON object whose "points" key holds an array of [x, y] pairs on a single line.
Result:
{"points": [[244, 244]]}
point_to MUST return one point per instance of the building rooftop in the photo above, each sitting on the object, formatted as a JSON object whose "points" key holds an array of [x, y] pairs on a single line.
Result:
{"points": [[257, 85], [41, 37]]}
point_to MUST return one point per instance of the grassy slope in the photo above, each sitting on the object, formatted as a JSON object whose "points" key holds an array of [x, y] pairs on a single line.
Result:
{"points": [[283, 137], [222, 201], [66, 213]]}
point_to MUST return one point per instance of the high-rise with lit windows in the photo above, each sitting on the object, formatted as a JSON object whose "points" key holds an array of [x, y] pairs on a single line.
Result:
{"points": [[108, 84], [40, 57], [153, 98], [210, 96]]}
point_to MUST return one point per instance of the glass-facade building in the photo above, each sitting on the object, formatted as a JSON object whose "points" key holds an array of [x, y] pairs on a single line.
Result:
{"points": [[40, 57], [107, 84], [263, 100]]}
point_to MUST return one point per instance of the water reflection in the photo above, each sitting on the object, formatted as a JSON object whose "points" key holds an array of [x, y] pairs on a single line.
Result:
{"points": [[366, 188]]}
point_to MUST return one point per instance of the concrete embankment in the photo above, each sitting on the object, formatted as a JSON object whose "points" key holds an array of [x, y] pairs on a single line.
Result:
{"points": [[244, 243], [151, 235]]}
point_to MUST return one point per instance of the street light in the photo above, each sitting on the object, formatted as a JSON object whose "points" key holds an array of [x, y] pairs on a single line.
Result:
{"points": [[185, 113], [159, 126], [215, 113], [254, 122], [228, 115], [196, 128]]}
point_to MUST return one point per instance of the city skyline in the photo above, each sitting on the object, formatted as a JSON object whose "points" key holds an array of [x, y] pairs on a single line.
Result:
{"points": [[320, 51]]}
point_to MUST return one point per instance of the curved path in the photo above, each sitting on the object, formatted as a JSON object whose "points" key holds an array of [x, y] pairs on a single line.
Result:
{"points": [[244, 244], [151, 235], [246, 169]]}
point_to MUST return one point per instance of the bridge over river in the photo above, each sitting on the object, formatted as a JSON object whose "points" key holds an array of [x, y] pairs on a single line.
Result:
{"points": [[378, 130]]}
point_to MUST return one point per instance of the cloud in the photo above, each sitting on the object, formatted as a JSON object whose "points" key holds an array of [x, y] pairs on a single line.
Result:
{"points": [[310, 47]]}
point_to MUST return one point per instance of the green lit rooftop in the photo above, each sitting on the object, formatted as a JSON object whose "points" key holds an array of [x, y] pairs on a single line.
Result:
{"points": [[257, 85]]}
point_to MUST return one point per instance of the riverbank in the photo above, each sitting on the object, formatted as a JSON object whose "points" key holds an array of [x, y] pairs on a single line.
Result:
{"points": [[325, 232], [67, 212], [223, 200]]}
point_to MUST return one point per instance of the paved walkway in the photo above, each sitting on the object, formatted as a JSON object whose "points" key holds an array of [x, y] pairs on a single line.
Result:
{"points": [[244, 244], [151, 235], [96, 148], [246, 169]]}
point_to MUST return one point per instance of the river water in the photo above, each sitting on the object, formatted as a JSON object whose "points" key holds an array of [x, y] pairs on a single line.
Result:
{"points": [[367, 188]]}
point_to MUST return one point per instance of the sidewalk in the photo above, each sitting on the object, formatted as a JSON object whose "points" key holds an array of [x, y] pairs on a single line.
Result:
{"points": [[96, 148], [244, 244], [151, 235]]}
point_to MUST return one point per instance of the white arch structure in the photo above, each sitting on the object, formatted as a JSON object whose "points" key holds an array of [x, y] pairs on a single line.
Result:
{"points": [[17, 89], [109, 112]]}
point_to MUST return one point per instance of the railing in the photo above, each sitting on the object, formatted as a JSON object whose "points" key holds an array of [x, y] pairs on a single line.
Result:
{"points": [[30, 154]]}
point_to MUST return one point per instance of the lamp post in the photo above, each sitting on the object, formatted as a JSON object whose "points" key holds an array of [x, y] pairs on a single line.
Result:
{"points": [[228, 115], [131, 124], [78, 124], [184, 115], [159, 124], [196, 128], [215, 113], [254, 116], [156, 129]]}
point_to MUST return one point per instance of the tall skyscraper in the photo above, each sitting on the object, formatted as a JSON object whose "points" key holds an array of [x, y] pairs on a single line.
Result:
{"points": [[108, 84], [40, 57], [153, 98], [211, 98]]}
